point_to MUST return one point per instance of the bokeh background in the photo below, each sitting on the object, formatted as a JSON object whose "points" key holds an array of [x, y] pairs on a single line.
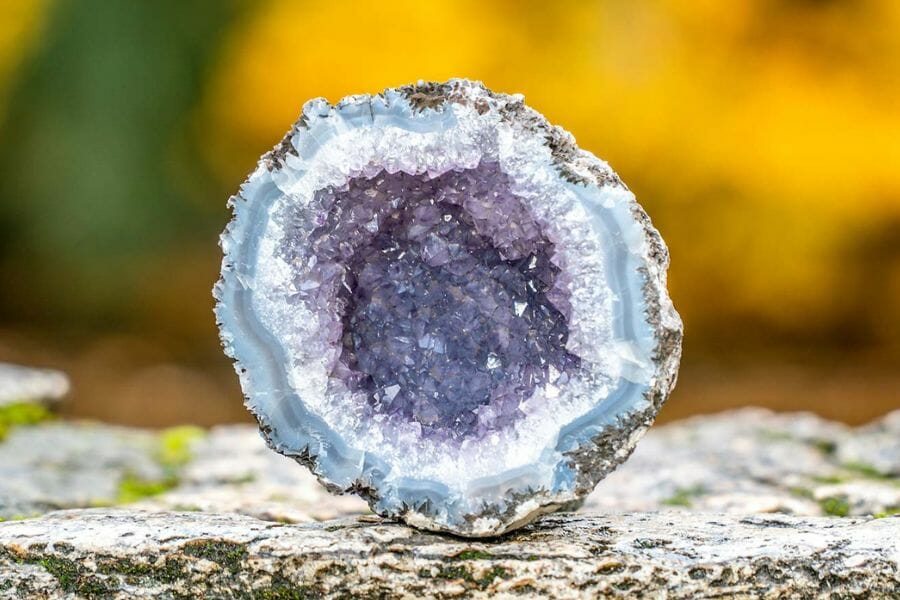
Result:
{"points": [[763, 137]]}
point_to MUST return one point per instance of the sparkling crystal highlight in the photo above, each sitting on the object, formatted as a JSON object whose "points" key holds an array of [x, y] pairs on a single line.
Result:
{"points": [[443, 287]]}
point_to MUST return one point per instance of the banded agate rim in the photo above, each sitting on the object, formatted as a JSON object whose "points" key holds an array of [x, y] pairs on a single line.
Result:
{"points": [[436, 300]]}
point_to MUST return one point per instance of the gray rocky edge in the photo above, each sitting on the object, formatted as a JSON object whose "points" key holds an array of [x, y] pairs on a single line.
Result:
{"points": [[592, 458]]}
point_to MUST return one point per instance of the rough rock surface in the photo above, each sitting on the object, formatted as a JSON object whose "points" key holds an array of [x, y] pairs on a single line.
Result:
{"points": [[131, 554], [232, 518]]}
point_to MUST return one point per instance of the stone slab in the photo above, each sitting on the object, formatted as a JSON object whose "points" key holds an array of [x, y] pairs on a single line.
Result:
{"points": [[133, 554]]}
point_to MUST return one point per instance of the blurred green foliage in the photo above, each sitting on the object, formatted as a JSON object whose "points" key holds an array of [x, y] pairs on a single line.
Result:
{"points": [[99, 169]]}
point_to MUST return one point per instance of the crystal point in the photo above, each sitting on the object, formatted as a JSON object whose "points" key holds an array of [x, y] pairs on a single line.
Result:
{"points": [[436, 300]]}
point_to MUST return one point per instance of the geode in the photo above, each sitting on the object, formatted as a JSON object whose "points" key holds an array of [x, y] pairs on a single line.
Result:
{"points": [[436, 300]]}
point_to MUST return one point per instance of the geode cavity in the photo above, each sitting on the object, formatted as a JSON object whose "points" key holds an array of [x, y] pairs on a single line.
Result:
{"points": [[436, 300]]}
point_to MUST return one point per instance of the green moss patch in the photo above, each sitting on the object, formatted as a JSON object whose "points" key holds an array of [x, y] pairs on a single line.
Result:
{"points": [[835, 507], [134, 489], [65, 571], [802, 492], [175, 444], [826, 447], [464, 573], [72, 578], [22, 414], [473, 554], [228, 554], [867, 471], [172, 452], [829, 479], [684, 496]]}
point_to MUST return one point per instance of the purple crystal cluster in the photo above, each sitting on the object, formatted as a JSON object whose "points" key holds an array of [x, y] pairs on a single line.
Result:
{"points": [[434, 299], [449, 313]]}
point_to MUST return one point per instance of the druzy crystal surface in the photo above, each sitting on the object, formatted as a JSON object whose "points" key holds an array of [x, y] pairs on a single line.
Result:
{"points": [[446, 320], [436, 300]]}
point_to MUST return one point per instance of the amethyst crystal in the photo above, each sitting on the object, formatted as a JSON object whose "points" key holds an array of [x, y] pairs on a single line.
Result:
{"points": [[434, 299]]}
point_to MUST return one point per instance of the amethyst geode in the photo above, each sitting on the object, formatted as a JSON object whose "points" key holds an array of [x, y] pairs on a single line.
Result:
{"points": [[435, 300]]}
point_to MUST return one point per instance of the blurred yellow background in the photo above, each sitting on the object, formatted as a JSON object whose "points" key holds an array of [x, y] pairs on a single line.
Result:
{"points": [[762, 136]]}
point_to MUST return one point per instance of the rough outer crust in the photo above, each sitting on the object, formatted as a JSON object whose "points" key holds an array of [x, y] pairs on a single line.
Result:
{"points": [[593, 461], [105, 553]]}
